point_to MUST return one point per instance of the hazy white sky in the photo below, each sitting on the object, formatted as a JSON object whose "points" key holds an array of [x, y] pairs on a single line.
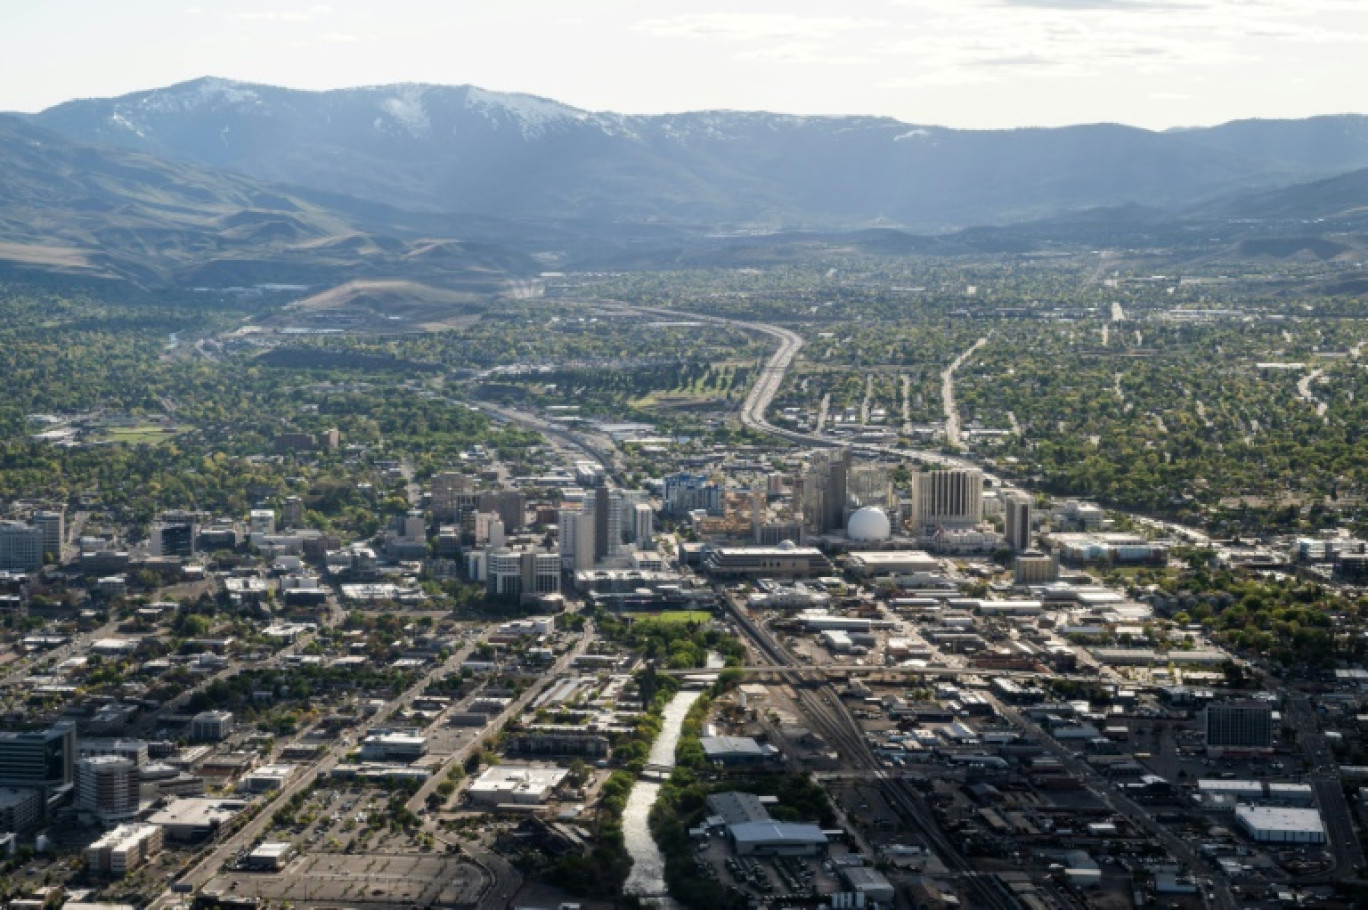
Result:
{"points": [[970, 63]]}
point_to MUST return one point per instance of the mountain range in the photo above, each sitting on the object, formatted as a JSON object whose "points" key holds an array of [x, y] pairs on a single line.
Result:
{"points": [[212, 179]]}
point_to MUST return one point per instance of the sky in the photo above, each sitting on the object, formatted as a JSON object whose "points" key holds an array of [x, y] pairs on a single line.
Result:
{"points": [[959, 63]]}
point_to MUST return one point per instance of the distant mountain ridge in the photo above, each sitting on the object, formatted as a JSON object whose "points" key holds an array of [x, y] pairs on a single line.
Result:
{"points": [[467, 150], [105, 213]]}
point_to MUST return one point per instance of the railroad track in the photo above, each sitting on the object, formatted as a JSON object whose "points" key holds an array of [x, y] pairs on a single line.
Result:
{"points": [[822, 705]]}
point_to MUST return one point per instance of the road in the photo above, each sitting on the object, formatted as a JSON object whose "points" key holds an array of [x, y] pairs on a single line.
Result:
{"points": [[830, 717], [901, 671], [952, 418], [1221, 896], [1341, 838], [200, 874], [504, 880]]}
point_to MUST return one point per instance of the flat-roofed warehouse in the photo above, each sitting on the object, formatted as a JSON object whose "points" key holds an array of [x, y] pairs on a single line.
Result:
{"points": [[195, 818], [735, 807], [735, 750], [527, 785], [891, 562], [771, 838], [1281, 825]]}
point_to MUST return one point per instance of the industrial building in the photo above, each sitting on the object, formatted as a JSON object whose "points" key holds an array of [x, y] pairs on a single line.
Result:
{"points": [[736, 750], [1281, 825], [771, 838], [869, 882], [754, 833]]}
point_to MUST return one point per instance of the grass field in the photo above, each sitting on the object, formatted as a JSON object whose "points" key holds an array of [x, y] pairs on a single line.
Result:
{"points": [[144, 435], [674, 616]]}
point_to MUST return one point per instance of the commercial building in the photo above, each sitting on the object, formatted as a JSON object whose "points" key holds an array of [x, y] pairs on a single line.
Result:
{"points": [[20, 808], [1245, 725], [211, 726], [52, 524], [191, 820], [1018, 512], [135, 750], [268, 778], [271, 856], [685, 493], [951, 499], [451, 493], [1119, 549], [123, 849], [108, 788], [515, 574], [21, 547], [45, 759], [1281, 825], [787, 560], [1032, 567], [393, 747], [576, 540], [522, 785]]}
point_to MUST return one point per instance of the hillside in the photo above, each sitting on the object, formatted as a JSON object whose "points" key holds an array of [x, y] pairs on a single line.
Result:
{"points": [[462, 149], [111, 214]]}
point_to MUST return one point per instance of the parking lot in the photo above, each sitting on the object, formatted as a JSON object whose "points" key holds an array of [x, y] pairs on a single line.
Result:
{"points": [[373, 879]]}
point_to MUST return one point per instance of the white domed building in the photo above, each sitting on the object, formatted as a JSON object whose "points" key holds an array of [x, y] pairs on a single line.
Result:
{"points": [[869, 524]]}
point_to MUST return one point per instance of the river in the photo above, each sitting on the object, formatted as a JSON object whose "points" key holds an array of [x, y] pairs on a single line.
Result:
{"points": [[648, 865]]}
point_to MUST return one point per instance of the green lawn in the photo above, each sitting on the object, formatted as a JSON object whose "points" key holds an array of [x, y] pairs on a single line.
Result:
{"points": [[144, 435], [674, 616]]}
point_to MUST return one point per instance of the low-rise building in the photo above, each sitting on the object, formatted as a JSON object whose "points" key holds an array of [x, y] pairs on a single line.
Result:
{"points": [[190, 820], [393, 747], [1281, 825], [123, 849], [211, 726], [516, 785], [270, 856]]}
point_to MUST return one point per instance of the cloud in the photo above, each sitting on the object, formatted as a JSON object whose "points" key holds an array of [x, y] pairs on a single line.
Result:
{"points": [[308, 14], [338, 38], [803, 52], [741, 27]]}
